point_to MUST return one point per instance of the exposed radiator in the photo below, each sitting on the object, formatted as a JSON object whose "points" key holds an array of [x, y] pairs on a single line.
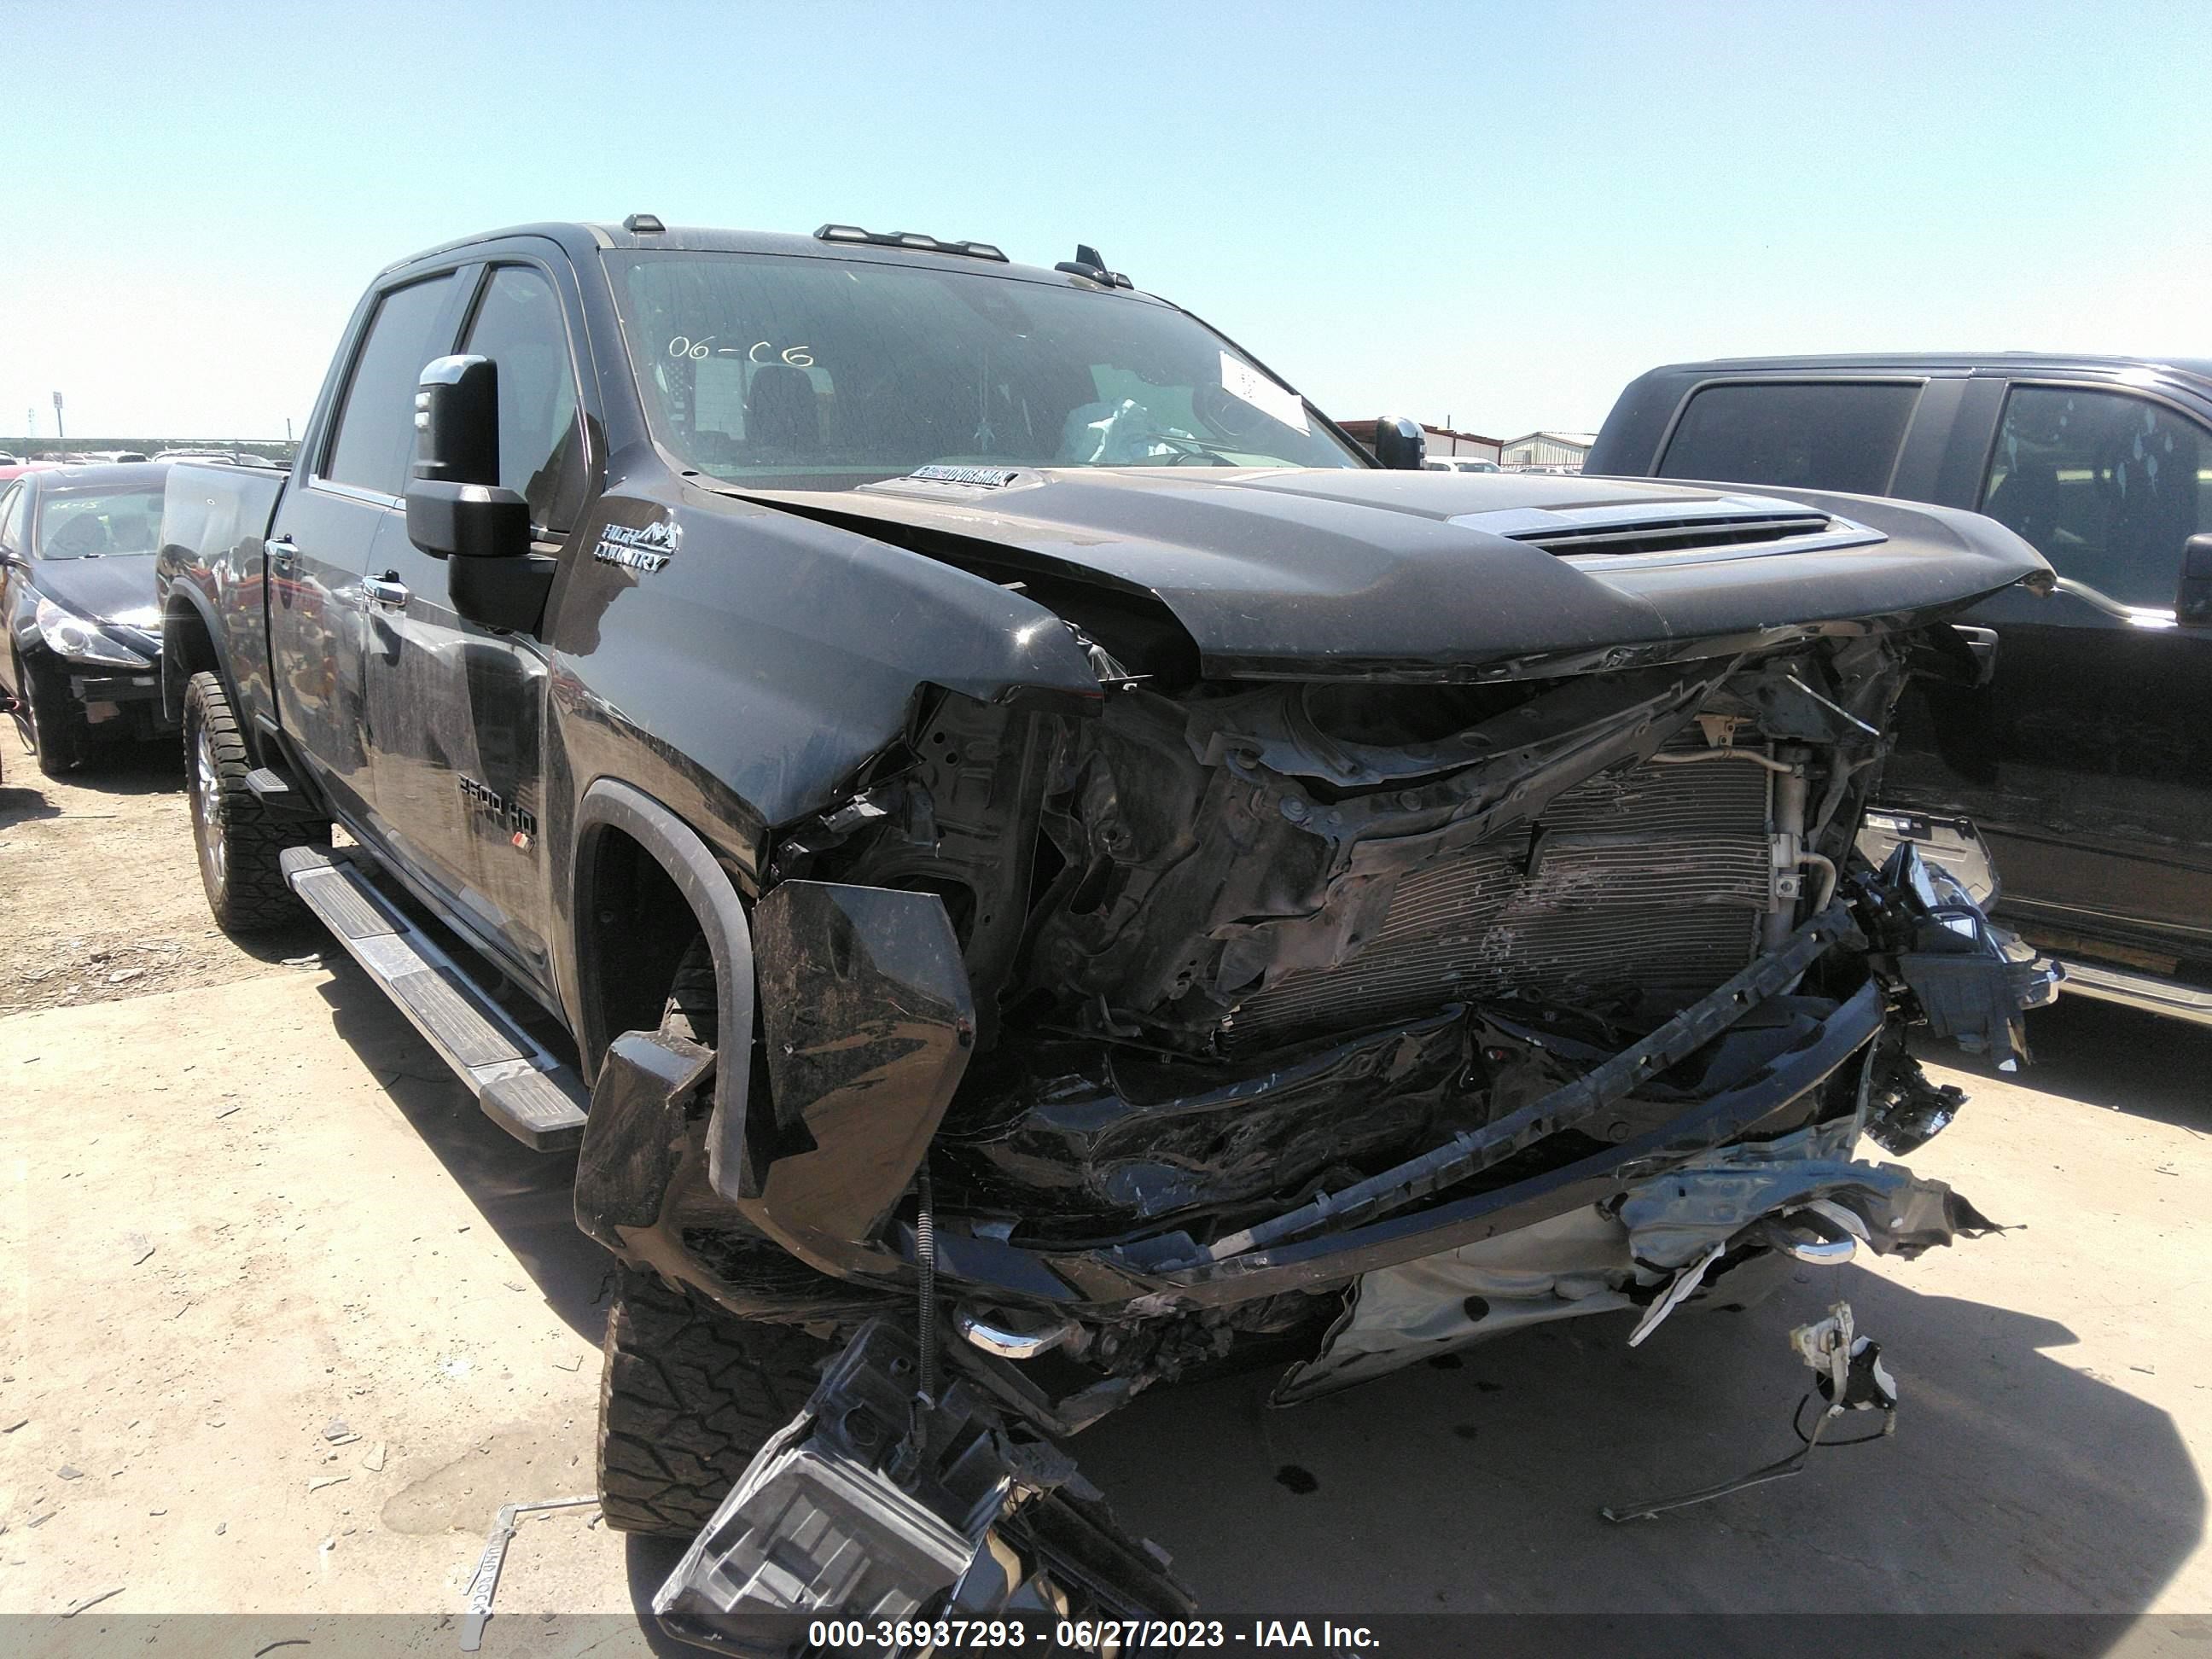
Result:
{"points": [[1636, 894]]}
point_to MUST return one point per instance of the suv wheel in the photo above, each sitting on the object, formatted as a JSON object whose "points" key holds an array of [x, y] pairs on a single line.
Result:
{"points": [[239, 839], [688, 1394], [52, 721]]}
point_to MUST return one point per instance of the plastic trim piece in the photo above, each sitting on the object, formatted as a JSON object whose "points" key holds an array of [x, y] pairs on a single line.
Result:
{"points": [[707, 888]]}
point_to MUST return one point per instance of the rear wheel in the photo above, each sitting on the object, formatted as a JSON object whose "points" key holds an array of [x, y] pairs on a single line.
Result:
{"points": [[239, 839]]}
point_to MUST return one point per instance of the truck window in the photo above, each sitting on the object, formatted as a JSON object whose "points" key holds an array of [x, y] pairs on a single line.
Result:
{"points": [[518, 326], [837, 371], [375, 443], [2106, 486], [1825, 435]]}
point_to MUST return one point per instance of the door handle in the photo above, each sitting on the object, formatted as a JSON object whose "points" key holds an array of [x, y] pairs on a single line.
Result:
{"points": [[387, 592], [283, 552]]}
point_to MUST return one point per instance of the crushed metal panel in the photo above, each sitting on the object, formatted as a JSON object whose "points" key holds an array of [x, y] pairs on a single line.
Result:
{"points": [[869, 1023], [1573, 1264]]}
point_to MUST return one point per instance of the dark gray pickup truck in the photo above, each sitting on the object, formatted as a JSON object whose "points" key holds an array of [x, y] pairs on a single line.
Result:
{"points": [[1037, 869], [2084, 758]]}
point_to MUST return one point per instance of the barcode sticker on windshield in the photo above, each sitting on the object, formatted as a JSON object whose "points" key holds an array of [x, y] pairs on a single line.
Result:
{"points": [[1243, 381]]}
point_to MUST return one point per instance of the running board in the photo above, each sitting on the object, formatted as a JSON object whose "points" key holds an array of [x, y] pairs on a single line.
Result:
{"points": [[521, 1087], [2151, 994]]}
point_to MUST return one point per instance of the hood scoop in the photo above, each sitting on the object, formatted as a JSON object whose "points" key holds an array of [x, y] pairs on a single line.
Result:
{"points": [[1725, 526]]}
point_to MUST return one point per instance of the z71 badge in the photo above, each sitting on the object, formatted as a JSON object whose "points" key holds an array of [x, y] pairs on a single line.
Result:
{"points": [[645, 549]]}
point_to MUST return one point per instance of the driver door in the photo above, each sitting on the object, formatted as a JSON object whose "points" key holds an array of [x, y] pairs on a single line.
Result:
{"points": [[456, 712]]}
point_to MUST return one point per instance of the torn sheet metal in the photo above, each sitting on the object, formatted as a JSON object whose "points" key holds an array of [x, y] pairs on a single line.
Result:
{"points": [[1575, 1263], [1674, 1218], [1608, 1257]]}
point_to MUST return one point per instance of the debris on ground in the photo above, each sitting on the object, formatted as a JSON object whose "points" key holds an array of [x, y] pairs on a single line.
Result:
{"points": [[94, 1600]]}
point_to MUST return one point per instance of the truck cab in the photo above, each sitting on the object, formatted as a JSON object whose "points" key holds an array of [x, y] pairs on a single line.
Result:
{"points": [[2085, 760]]}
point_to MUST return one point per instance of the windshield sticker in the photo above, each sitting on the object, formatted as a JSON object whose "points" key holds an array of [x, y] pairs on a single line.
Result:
{"points": [[991, 477], [1243, 382], [629, 548]]}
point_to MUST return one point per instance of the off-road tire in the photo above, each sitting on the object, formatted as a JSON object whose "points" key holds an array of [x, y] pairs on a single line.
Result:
{"points": [[54, 720], [687, 1396], [239, 840]]}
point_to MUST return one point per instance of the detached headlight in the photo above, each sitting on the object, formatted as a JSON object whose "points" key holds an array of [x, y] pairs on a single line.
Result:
{"points": [[67, 635]]}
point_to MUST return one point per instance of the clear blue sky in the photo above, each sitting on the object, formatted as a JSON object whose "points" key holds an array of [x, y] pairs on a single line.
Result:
{"points": [[1497, 213]]}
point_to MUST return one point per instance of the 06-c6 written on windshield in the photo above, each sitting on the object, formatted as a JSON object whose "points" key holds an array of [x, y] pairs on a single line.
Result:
{"points": [[756, 367]]}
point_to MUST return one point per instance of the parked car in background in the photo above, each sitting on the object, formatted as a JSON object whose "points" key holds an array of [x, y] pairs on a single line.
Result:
{"points": [[76, 589], [1459, 463], [2085, 760], [231, 457]]}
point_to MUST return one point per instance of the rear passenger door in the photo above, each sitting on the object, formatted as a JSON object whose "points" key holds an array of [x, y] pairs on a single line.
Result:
{"points": [[2088, 760], [456, 712], [319, 546]]}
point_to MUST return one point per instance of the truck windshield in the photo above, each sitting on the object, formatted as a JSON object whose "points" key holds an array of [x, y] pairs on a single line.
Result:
{"points": [[827, 372]]}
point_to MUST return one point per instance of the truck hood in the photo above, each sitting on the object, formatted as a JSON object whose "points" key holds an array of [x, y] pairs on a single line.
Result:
{"points": [[1295, 572]]}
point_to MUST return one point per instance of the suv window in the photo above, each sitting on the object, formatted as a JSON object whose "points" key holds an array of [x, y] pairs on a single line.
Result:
{"points": [[2106, 486], [1827, 434], [374, 444], [13, 507], [518, 326]]}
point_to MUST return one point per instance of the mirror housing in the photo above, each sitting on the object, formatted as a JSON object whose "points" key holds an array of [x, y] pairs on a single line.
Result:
{"points": [[2192, 606], [454, 504], [455, 509], [1400, 444]]}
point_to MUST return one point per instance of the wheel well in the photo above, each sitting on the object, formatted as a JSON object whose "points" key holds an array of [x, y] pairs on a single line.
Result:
{"points": [[187, 648], [633, 925]]}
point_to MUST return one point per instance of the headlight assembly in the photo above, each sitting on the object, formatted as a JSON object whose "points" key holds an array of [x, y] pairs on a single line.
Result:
{"points": [[67, 635]]}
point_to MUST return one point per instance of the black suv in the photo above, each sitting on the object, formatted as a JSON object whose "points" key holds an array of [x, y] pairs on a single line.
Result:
{"points": [[2085, 760], [1046, 870]]}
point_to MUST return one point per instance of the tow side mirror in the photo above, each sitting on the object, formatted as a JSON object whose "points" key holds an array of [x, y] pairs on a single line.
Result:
{"points": [[1400, 444], [455, 509], [2193, 606], [454, 503]]}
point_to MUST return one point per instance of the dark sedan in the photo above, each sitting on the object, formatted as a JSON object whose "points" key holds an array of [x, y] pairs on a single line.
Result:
{"points": [[76, 589]]}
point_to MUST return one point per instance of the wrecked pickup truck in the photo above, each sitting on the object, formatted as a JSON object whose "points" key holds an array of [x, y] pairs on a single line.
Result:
{"points": [[1028, 866]]}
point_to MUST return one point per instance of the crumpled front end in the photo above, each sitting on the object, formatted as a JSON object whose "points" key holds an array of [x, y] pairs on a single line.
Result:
{"points": [[1211, 1010], [1349, 1024]]}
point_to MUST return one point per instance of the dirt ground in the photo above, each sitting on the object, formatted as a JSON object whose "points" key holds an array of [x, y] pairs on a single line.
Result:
{"points": [[102, 897], [287, 1320]]}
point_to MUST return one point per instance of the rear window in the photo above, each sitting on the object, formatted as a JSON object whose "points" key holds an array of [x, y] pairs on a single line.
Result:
{"points": [[1825, 435]]}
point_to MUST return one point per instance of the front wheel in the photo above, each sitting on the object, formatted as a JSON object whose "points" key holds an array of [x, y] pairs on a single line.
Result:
{"points": [[688, 1394], [239, 839], [52, 720]]}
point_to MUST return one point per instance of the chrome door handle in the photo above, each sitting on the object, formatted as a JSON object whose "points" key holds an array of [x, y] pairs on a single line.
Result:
{"points": [[282, 550], [387, 592]]}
